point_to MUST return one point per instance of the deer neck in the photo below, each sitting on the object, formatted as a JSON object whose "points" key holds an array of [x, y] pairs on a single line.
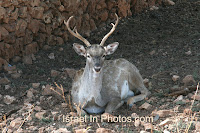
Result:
{"points": [[92, 79]]}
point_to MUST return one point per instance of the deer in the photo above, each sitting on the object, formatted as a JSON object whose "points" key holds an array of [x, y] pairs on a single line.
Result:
{"points": [[104, 85]]}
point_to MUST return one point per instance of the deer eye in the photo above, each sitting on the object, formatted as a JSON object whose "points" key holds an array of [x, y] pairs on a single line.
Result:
{"points": [[88, 56], [104, 56]]}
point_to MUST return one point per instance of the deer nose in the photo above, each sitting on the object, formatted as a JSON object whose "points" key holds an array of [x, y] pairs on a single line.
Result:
{"points": [[97, 67]]}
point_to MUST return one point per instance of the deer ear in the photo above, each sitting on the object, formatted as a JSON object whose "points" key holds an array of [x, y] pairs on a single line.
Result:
{"points": [[111, 48], [80, 49]]}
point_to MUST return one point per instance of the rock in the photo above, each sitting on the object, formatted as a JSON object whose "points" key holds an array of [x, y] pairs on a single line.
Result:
{"points": [[37, 108], [29, 94], [39, 115], [188, 52], [9, 68], [71, 72], [152, 52], [175, 78], [62, 130], [16, 59], [27, 60], [104, 130], [34, 26], [196, 97], [165, 122], [144, 132], [35, 85], [4, 81], [60, 41], [189, 80], [47, 90], [154, 8], [37, 12], [179, 98], [9, 99], [81, 131], [197, 126], [146, 106], [7, 87], [148, 126], [134, 115], [15, 75], [51, 56], [187, 111], [60, 49], [163, 113], [168, 2], [166, 131], [16, 123], [54, 73], [46, 47], [137, 123]]}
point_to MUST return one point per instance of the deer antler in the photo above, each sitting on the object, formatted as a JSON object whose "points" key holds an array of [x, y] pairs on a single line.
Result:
{"points": [[111, 31], [76, 34]]}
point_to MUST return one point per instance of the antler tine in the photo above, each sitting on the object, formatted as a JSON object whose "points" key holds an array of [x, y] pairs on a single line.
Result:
{"points": [[76, 34], [111, 31]]}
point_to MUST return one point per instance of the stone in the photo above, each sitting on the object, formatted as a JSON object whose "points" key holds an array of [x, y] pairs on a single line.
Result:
{"points": [[62, 130], [16, 122], [3, 32], [165, 122], [31, 48], [54, 73], [196, 97], [188, 52], [146, 106], [175, 78], [188, 80], [29, 94], [35, 3], [35, 85], [34, 25], [81, 131], [61, 8], [15, 75], [16, 59], [27, 60], [37, 12], [46, 47], [4, 81], [148, 126], [51, 56], [9, 99], [2, 12], [47, 90], [163, 113], [187, 111], [137, 123], [37, 108], [21, 27], [168, 2], [179, 98], [23, 12], [71, 72], [39, 115], [104, 130], [59, 41], [197, 126], [9, 68]]}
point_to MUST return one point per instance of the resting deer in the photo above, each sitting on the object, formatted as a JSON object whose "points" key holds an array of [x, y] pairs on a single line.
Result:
{"points": [[104, 85]]}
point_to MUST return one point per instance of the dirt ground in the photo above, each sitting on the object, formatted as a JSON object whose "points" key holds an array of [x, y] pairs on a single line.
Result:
{"points": [[161, 43]]}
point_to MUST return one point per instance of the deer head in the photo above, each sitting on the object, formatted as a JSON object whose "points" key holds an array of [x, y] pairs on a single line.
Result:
{"points": [[95, 54]]}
